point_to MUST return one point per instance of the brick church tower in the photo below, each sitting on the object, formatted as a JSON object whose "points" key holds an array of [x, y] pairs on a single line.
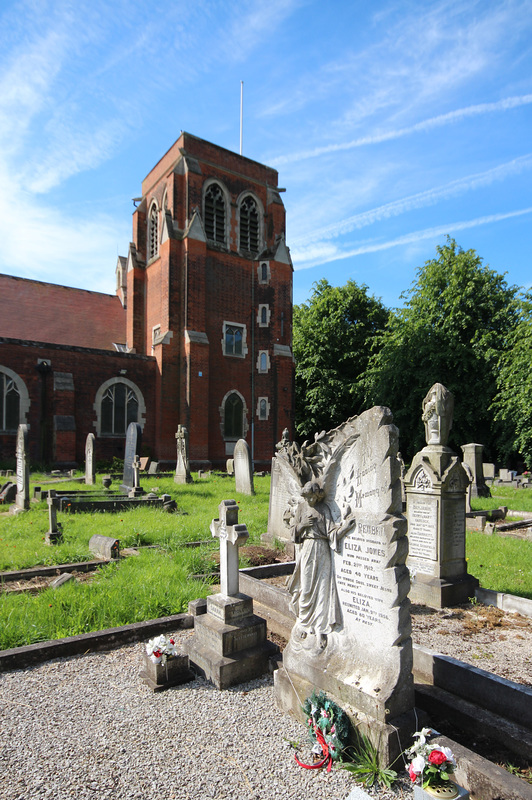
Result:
{"points": [[207, 287]]}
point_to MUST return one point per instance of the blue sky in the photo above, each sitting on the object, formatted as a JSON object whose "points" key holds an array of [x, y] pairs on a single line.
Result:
{"points": [[392, 124]]}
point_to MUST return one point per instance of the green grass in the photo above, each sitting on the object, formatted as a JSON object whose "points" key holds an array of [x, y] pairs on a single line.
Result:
{"points": [[515, 499], [501, 563], [154, 584]]}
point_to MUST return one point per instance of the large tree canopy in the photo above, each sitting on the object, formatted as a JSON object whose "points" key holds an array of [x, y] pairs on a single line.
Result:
{"points": [[332, 341], [453, 329], [513, 404]]}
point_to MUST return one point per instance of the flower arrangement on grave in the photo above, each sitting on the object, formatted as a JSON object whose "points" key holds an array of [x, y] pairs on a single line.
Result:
{"points": [[431, 763], [161, 649], [328, 727]]}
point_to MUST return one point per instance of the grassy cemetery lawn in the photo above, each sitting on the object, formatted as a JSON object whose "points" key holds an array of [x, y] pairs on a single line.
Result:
{"points": [[502, 563], [155, 583]]}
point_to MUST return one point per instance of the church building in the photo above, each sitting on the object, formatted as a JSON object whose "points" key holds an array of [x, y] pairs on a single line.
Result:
{"points": [[198, 333]]}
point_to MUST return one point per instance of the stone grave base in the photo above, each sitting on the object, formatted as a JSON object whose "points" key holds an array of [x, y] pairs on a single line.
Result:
{"points": [[427, 590], [160, 677], [389, 738], [229, 645]]}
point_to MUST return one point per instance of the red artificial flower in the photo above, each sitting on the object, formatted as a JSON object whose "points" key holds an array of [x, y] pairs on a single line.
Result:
{"points": [[437, 757], [172, 641], [413, 775], [157, 653]]}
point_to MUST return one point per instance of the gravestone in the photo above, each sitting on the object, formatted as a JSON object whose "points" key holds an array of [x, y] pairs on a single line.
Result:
{"points": [[54, 535], [136, 490], [351, 638], [133, 443], [243, 468], [488, 470], [473, 459], [90, 472], [279, 506], [22, 499], [230, 466], [229, 645], [182, 469], [153, 468], [105, 547], [436, 486], [8, 492]]}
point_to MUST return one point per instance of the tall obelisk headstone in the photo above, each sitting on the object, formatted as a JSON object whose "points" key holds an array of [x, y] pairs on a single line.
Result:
{"points": [[229, 645], [22, 500], [436, 486], [350, 585], [182, 470], [90, 472]]}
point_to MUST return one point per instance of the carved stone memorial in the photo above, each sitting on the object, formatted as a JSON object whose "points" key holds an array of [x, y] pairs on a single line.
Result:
{"points": [[22, 499], [133, 443], [351, 638], [182, 470], [280, 499], [90, 472], [243, 468], [229, 645], [436, 486], [473, 460]]}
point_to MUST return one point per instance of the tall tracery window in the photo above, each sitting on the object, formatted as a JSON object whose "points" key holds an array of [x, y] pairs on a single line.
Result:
{"points": [[120, 406], [249, 225], [153, 232], [215, 214], [9, 403], [233, 417]]}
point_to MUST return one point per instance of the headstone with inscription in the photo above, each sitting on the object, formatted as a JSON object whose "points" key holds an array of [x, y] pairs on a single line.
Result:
{"points": [[473, 459], [351, 638], [90, 471], [182, 470], [22, 499], [243, 468], [436, 486], [280, 500], [133, 443], [229, 645]]}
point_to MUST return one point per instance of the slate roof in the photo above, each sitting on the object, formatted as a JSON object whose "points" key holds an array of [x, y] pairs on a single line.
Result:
{"points": [[46, 312]]}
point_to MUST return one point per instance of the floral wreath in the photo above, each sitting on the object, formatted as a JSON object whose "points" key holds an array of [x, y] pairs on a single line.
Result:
{"points": [[328, 726]]}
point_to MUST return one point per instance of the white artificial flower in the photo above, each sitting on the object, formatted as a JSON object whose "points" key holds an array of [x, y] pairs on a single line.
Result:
{"points": [[448, 755], [418, 764]]}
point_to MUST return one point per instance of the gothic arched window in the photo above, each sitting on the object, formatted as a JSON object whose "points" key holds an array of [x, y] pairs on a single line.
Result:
{"points": [[153, 232], [119, 407], [233, 417], [214, 214], [9, 403], [249, 225]]}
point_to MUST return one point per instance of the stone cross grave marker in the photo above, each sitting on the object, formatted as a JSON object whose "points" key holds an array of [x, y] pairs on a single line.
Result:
{"points": [[55, 533], [89, 459], [243, 468], [231, 535], [133, 443], [182, 470], [22, 500], [136, 490]]}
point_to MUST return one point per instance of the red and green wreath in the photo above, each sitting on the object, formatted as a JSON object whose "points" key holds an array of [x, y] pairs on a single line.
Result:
{"points": [[328, 726]]}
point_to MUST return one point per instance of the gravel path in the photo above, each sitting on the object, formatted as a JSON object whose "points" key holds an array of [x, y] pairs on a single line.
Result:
{"points": [[88, 727]]}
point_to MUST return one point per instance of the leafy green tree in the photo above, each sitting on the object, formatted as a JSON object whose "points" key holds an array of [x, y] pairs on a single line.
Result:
{"points": [[513, 403], [453, 329], [332, 343]]}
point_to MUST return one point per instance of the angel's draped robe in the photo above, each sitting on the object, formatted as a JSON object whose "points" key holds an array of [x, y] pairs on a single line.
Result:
{"points": [[313, 585]]}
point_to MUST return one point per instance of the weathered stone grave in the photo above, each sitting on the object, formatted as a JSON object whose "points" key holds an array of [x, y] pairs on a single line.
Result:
{"points": [[90, 471], [472, 463], [132, 451], [350, 585], [436, 486], [54, 535], [230, 466], [182, 470], [22, 499], [229, 645], [106, 547], [243, 468], [8, 492], [280, 498], [489, 471]]}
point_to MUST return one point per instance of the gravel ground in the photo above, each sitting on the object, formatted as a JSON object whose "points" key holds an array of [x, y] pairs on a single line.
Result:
{"points": [[88, 727]]}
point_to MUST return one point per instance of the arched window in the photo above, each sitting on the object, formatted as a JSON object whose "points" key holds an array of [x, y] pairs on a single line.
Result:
{"points": [[214, 214], [233, 417], [264, 315], [263, 408], [118, 402], [264, 272], [153, 232], [249, 225], [263, 362], [9, 403]]}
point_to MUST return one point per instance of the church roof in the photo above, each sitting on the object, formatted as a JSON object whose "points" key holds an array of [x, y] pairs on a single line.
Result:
{"points": [[46, 312]]}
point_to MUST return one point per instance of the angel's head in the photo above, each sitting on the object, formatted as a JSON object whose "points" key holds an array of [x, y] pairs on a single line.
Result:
{"points": [[313, 492]]}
